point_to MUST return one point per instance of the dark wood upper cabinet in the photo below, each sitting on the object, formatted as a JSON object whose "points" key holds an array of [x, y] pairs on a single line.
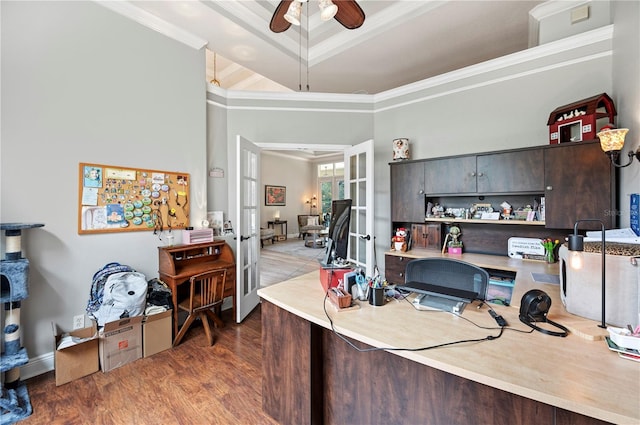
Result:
{"points": [[407, 192], [455, 175], [579, 184], [511, 172], [576, 179]]}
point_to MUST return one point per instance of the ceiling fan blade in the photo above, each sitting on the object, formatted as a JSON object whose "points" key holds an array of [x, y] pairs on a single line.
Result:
{"points": [[278, 23], [350, 15]]}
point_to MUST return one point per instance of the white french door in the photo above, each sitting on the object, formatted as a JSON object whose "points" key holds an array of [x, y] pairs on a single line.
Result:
{"points": [[358, 176], [248, 219]]}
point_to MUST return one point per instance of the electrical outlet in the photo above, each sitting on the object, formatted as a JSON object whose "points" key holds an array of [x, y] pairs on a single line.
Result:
{"points": [[78, 321]]}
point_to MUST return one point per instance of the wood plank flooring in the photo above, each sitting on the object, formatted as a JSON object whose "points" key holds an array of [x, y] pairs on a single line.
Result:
{"points": [[286, 260], [189, 384]]}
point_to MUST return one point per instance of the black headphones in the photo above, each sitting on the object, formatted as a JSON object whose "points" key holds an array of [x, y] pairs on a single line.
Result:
{"points": [[534, 307]]}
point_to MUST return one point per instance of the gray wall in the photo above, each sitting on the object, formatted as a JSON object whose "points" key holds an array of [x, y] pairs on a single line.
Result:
{"points": [[298, 177], [83, 84], [626, 92]]}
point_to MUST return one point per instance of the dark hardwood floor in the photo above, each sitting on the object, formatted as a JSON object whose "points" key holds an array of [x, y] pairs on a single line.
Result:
{"points": [[189, 384]]}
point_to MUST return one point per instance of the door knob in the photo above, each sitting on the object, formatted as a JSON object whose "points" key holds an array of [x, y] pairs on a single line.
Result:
{"points": [[549, 188]]}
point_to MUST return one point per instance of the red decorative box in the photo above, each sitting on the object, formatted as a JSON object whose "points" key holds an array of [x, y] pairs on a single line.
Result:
{"points": [[331, 277]]}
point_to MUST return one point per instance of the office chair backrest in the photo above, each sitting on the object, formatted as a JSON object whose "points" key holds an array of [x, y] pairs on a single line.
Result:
{"points": [[450, 273], [207, 289]]}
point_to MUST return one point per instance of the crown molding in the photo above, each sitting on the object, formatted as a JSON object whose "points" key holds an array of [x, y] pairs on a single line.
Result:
{"points": [[533, 53], [151, 21], [300, 96], [529, 55]]}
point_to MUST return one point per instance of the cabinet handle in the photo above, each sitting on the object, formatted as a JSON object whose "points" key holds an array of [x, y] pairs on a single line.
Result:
{"points": [[473, 174], [549, 188], [480, 174], [401, 274], [401, 259], [421, 192]]}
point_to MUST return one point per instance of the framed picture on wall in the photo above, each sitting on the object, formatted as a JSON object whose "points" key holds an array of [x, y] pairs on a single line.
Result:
{"points": [[275, 195]]}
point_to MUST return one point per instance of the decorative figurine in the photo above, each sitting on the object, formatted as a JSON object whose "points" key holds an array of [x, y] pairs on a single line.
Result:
{"points": [[399, 241], [453, 246], [400, 149]]}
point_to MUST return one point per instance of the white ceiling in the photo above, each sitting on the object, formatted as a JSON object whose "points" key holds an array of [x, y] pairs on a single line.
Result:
{"points": [[400, 42]]}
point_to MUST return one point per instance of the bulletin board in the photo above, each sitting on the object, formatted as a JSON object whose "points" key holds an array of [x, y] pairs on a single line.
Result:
{"points": [[125, 199]]}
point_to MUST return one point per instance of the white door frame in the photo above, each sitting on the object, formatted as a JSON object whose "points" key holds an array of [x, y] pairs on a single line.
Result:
{"points": [[247, 218], [361, 234]]}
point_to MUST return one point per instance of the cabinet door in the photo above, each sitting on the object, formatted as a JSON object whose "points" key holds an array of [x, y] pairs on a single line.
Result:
{"points": [[513, 172], [407, 192], [579, 184], [425, 235], [394, 267], [450, 175]]}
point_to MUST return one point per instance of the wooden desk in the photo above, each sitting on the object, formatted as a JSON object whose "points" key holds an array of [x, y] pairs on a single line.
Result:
{"points": [[177, 263], [310, 375]]}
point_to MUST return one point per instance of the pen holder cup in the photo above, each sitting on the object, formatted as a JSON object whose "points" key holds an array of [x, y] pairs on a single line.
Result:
{"points": [[341, 301], [376, 296]]}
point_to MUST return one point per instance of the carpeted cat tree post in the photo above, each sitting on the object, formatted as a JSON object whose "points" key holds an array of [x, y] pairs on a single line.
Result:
{"points": [[14, 274]]}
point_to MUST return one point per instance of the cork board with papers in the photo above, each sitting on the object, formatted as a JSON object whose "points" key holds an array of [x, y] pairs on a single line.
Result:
{"points": [[124, 199]]}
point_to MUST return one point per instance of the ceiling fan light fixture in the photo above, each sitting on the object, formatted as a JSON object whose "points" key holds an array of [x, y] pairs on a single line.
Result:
{"points": [[327, 9], [293, 13]]}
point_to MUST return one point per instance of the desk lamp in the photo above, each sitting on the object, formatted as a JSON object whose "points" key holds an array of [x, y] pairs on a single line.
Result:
{"points": [[576, 245]]}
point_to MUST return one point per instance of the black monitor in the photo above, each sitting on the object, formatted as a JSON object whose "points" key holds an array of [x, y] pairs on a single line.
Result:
{"points": [[338, 237]]}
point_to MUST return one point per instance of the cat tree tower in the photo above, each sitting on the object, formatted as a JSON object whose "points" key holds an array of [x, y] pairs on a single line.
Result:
{"points": [[14, 274]]}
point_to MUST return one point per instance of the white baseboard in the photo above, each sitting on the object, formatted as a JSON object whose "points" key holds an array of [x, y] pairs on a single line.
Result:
{"points": [[37, 366]]}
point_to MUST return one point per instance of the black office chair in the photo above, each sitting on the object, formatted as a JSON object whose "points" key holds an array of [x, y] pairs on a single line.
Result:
{"points": [[449, 273]]}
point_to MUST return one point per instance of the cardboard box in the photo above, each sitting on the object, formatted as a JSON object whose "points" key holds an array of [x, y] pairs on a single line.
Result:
{"points": [[120, 342], [330, 277], [73, 358], [157, 333]]}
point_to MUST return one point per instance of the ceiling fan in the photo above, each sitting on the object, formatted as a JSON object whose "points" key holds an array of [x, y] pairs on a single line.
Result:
{"points": [[347, 12]]}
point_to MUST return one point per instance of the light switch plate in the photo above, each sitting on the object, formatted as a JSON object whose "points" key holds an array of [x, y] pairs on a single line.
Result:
{"points": [[579, 14]]}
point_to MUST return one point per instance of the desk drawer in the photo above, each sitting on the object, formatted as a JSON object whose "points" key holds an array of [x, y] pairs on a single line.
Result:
{"points": [[394, 267]]}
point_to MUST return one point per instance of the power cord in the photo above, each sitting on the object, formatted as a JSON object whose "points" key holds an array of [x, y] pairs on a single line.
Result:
{"points": [[430, 347]]}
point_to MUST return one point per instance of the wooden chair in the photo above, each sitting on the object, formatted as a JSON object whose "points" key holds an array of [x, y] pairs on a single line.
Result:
{"points": [[205, 293]]}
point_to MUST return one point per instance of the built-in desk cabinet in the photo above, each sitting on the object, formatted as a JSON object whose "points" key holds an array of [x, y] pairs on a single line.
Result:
{"points": [[579, 184], [576, 180], [407, 192], [450, 175], [520, 171]]}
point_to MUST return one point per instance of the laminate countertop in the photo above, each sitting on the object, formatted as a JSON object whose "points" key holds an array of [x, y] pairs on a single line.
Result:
{"points": [[577, 373]]}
